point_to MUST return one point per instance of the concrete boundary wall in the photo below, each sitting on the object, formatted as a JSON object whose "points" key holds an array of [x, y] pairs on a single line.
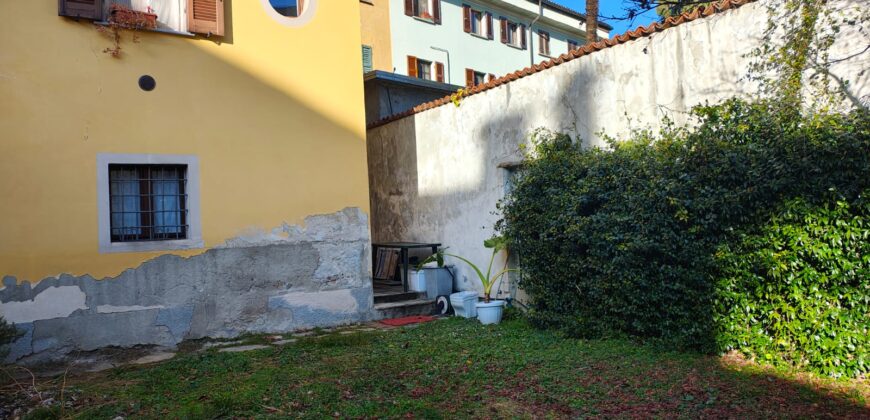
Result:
{"points": [[294, 277], [438, 174]]}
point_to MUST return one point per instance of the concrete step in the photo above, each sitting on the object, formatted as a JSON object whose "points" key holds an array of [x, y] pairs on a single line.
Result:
{"points": [[387, 297], [404, 308]]}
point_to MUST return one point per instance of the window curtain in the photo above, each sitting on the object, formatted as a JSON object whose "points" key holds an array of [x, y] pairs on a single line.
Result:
{"points": [[125, 202], [167, 202]]}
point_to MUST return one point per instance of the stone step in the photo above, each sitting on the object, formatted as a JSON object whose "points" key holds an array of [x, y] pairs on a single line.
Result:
{"points": [[387, 297], [405, 308]]}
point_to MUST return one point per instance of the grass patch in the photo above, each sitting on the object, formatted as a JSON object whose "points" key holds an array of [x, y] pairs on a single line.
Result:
{"points": [[458, 368]]}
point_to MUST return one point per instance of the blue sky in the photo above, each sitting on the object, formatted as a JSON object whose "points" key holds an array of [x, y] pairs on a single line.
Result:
{"points": [[612, 8]]}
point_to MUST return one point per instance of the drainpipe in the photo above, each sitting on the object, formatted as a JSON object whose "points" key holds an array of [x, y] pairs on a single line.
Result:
{"points": [[531, 31], [448, 60]]}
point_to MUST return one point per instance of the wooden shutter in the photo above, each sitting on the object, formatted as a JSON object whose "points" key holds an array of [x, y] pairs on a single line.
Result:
{"points": [[469, 77], [489, 29], [81, 9], [412, 66], [504, 29], [409, 7], [466, 18], [439, 72], [205, 17], [300, 7], [523, 36], [436, 11], [367, 58]]}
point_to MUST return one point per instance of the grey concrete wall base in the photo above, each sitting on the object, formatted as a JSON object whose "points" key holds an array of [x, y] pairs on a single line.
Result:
{"points": [[291, 278]]}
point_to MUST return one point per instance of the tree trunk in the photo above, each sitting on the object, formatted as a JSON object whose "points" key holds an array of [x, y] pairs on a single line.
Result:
{"points": [[591, 21]]}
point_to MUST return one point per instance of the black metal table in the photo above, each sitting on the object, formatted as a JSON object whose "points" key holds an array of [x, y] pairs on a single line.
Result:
{"points": [[403, 248]]}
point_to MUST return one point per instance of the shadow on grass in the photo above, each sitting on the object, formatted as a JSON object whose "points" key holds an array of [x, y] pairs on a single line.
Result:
{"points": [[449, 369]]}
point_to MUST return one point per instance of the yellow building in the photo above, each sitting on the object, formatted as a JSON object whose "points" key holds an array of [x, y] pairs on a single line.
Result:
{"points": [[160, 191], [376, 41]]}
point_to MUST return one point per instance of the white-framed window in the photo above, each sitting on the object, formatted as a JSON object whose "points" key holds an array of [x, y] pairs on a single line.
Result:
{"points": [[477, 22], [424, 69], [148, 202], [544, 43]]}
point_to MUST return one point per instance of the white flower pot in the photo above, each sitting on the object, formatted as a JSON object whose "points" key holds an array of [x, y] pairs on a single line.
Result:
{"points": [[490, 313]]}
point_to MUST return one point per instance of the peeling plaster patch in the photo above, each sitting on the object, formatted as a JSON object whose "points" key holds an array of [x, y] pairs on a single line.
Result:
{"points": [[111, 309], [348, 225], [54, 302], [340, 301]]}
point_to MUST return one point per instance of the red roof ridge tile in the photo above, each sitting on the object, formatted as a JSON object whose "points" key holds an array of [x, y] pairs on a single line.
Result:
{"points": [[639, 32]]}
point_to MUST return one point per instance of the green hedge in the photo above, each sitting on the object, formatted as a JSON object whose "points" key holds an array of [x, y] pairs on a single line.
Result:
{"points": [[633, 241]]}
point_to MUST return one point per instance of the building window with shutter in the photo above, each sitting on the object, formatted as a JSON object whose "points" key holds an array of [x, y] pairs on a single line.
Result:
{"points": [[148, 202], [513, 34], [428, 10], [476, 22], [544, 43], [367, 58], [180, 16], [474, 78]]}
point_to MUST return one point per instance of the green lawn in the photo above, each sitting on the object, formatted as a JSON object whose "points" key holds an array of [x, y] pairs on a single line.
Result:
{"points": [[458, 368]]}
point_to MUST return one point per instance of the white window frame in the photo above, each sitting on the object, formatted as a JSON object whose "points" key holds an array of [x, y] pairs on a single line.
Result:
{"points": [[481, 23], [104, 228], [513, 35], [430, 65]]}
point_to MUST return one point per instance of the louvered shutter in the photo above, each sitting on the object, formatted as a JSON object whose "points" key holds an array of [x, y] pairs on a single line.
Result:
{"points": [[469, 77], [409, 7], [81, 9], [436, 11], [466, 18], [439, 72], [412, 66], [205, 17], [523, 36], [489, 28], [504, 29], [367, 58]]}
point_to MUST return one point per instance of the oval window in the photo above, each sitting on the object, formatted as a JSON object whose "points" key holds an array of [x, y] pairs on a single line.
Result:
{"points": [[289, 8], [290, 12]]}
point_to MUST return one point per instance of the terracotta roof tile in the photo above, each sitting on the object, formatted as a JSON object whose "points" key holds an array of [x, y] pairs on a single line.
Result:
{"points": [[639, 32]]}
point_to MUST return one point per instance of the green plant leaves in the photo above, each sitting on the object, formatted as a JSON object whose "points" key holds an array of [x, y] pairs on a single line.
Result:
{"points": [[738, 234]]}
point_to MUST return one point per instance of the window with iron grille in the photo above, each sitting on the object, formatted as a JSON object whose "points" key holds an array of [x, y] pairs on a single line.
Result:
{"points": [[148, 202]]}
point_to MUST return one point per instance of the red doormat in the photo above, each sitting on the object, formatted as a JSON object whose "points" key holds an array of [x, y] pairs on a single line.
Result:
{"points": [[398, 322]]}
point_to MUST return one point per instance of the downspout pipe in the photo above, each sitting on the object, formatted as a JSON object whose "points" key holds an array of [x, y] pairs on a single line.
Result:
{"points": [[448, 60], [532, 31]]}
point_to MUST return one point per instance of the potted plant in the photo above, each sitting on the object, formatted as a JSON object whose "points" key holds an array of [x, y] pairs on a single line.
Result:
{"points": [[489, 311], [123, 18]]}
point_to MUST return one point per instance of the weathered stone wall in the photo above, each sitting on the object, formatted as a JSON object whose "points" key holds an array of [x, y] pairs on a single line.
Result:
{"points": [[288, 279], [435, 175]]}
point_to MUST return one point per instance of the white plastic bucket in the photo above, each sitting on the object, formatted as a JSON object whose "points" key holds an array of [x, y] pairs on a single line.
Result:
{"points": [[416, 281], [490, 313]]}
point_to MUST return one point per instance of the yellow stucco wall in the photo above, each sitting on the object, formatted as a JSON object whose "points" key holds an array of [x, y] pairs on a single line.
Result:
{"points": [[375, 19], [274, 113]]}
